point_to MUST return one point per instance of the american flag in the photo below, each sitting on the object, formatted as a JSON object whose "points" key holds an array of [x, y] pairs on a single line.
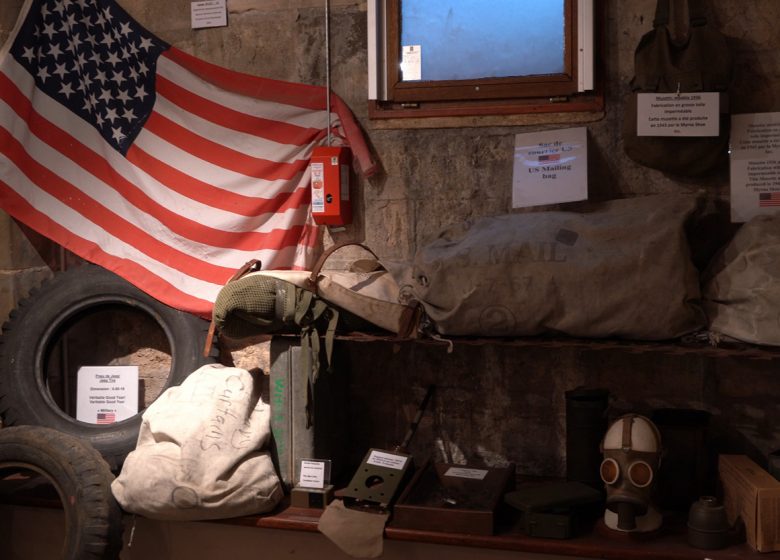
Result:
{"points": [[550, 157], [166, 169], [105, 418], [769, 199]]}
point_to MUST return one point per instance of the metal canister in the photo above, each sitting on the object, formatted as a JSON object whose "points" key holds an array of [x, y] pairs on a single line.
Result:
{"points": [[586, 424]]}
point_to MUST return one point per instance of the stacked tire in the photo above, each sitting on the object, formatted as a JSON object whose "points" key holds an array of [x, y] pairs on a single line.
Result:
{"points": [[82, 479], [34, 327]]}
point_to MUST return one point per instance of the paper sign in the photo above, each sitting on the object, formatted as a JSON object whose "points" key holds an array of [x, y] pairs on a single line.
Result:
{"points": [[209, 13], [671, 114], [317, 187], [411, 62], [312, 474], [106, 394], [755, 165], [461, 472], [389, 460], [550, 167]]}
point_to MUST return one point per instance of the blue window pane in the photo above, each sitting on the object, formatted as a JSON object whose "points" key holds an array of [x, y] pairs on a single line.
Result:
{"points": [[472, 39]]}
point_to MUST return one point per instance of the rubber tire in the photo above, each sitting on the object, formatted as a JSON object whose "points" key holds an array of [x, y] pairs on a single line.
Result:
{"points": [[93, 518], [32, 328]]}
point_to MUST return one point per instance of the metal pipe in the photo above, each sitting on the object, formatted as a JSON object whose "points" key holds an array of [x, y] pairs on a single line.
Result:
{"points": [[64, 344], [327, 64]]}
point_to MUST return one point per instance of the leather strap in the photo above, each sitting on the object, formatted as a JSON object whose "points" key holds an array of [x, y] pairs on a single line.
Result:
{"points": [[410, 320], [315, 273], [628, 422]]}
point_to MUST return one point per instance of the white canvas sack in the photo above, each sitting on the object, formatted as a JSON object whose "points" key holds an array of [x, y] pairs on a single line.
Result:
{"points": [[742, 284], [201, 451]]}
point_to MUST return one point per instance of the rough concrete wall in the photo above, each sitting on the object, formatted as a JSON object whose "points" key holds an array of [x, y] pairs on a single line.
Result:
{"points": [[21, 268], [495, 403], [498, 404]]}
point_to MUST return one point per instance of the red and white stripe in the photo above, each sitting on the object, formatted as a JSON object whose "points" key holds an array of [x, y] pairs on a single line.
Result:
{"points": [[215, 178]]}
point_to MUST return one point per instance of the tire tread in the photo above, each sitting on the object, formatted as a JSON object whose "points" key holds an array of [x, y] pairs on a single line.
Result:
{"points": [[72, 464]]}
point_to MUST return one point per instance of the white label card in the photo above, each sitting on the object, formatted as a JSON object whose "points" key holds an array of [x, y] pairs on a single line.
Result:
{"points": [[389, 460], [106, 394], [550, 167], [312, 474], [317, 187], [462, 472], [672, 114], [208, 13], [411, 62], [755, 165]]}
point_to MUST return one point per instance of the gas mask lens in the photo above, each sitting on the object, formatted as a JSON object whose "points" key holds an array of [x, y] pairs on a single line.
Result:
{"points": [[610, 471], [640, 474]]}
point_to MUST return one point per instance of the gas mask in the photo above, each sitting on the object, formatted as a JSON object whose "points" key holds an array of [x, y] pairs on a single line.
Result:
{"points": [[632, 453]]}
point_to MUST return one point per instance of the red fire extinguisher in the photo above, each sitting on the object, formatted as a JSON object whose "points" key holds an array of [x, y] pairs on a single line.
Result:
{"points": [[330, 172], [330, 165]]}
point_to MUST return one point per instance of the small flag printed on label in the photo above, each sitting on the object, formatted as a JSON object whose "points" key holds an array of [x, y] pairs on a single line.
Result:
{"points": [[769, 199], [106, 418]]}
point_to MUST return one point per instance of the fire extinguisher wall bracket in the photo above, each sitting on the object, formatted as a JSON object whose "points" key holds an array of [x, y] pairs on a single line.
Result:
{"points": [[330, 172]]}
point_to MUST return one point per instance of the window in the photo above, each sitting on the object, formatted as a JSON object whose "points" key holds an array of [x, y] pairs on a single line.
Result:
{"points": [[471, 57]]}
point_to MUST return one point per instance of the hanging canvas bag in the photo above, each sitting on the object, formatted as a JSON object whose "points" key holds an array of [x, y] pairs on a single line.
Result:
{"points": [[702, 62]]}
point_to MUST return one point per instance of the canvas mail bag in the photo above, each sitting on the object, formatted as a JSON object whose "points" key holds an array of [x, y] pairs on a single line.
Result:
{"points": [[622, 269], [702, 63], [742, 284], [202, 451]]}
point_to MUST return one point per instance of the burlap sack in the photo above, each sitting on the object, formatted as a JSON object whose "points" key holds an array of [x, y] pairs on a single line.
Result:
{"points": [[741, 293], [620, 270], [201, 451]]}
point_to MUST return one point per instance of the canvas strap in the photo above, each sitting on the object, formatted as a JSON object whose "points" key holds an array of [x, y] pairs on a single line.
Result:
{"points": [[697, 14]]}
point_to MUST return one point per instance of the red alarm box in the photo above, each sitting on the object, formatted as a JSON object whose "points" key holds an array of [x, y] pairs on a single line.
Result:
{"points": [[330, 171]]}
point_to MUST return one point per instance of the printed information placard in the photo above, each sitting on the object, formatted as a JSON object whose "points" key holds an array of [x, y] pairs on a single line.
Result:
{"points": [[384, 459], [755, 165], [208, 13], [463, 472], [550, 167], [314, 473], [678, 114], [317, 187], [106, 394]]}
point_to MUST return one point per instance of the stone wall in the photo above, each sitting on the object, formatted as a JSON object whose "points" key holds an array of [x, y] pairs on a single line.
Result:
{"points": [[496, 403]]}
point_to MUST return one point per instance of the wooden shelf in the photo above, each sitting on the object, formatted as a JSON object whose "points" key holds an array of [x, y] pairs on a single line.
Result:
{"points": [[600, 543], [696, 345]]}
